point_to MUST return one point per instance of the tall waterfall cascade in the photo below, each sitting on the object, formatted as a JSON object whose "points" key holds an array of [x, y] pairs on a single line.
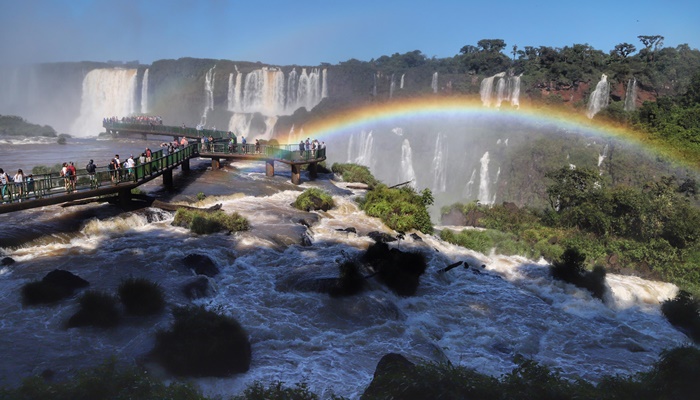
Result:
{"points": [[440, 164], [507, 89], [107, 92], [392, 86], [208, 95], [631, 95], [407, 172], [484, 192], [402, 77], [434, 82], [600, 98], [469, 187], [361, 149], [144, 93]]}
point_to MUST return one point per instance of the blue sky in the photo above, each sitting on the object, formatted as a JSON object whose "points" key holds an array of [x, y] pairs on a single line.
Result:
{"points": [[310, 32]]}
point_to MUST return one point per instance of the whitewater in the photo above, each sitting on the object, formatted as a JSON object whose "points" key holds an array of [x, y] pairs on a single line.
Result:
{"points": [[476, 317]]}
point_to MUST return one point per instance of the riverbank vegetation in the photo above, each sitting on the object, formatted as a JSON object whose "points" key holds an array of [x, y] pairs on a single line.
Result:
{"points": [[354, 173], [401, 209], [206, 222], [313, 199], [673, 376], [11, 125]]}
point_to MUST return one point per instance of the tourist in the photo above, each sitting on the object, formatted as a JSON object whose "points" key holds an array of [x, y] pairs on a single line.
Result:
{"points": [[30, 185], [130, 164], [4, 180], [73, 175], [257, 146], [301, 148], [243, 142], [91, 168], [19, 183], [117, 168], [65, 173]]}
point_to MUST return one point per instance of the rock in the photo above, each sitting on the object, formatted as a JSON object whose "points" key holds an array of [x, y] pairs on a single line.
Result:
{"points": [[382, 385], [197, 288], [65, 279], [473, 217], [454, 217], [398, 270], [306, 240], [348, 230], [201, 265], [381, 237], [7, 261], [415, 237]]}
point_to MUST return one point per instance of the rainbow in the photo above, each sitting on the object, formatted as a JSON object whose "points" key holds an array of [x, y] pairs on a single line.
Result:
{"points": [[435, 108]]}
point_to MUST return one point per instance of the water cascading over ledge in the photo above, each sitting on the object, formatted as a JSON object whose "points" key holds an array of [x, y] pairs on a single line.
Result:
{"points": [[107, 92]]}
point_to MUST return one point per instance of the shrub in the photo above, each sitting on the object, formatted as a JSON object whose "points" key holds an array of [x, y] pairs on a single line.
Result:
{"points": [[683, 311], [571, 269], [401, 209], [201, 196], [203, 343], [314, 199], [354, 173], [276, 391], [399, 270], [350, 281], [96, 309], [204, 222], [106, 381], [141, 296]]}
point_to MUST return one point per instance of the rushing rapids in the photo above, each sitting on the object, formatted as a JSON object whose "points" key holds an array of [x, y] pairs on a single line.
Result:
{"points": [[477, 317]]}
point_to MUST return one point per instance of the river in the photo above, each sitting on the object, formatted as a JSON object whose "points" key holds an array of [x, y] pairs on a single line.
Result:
{"points": [[476, 320]]}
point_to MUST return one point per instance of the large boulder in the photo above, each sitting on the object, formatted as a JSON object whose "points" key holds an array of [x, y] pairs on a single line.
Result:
{"points": [[453, 217], [197, 288], [201, 265], [390, 366], [381, 237], [397, 269], [7, 261], [56, 285]]}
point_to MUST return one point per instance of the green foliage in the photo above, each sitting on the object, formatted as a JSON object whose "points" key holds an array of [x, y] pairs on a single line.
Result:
{"points": [[571, 268], [204, 222], [96, 309], [276, 391], [44, 169], [314, 199], [683, 311], [11, 125], [354, 173], [401, 209], [107, 381], [141, 296], [201, 196], [203, 343]]}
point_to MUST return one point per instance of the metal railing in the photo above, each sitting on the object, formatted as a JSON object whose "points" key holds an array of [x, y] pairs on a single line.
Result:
{"points": [[286, 152], [52, 184]]}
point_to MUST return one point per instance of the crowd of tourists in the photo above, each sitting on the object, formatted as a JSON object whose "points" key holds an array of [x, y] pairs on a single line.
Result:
{"points": [[19, 184], [136, 119], [311, 148]]}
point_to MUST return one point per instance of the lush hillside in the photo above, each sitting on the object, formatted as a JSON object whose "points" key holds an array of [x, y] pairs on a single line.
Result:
{"points": [[11, 125]]}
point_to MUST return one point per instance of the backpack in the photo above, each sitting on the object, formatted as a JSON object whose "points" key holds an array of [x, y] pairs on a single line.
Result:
{"points": [[90, 168], [69, 172]]}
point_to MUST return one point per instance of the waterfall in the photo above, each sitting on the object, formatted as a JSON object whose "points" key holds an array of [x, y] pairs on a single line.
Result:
{"points": [[264, 92], [208, 95], [364, 156], [374, 85], [402, 76], [237, 91], [603, 155], [144, 93], [515, 95], [292, 83], [231, 92], [484, 193], [440, 164], [106, 93], [500, 90], [392, 86], [495, 183], [324, 84], [240, 124], [600, 97], [351, 146], [434, 82], [308, 90], [631, 95], [469, 187], [407, 173]]}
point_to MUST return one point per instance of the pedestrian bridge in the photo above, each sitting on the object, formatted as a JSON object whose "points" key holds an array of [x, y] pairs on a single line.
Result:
{"points": [[51, 189]]}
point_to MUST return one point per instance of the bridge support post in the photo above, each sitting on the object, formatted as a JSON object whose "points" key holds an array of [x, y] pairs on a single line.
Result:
{"points": [[313, 170], [168, 178], [215, 164], [270, 167], [186, 165], [124, 197], [296, 174]]}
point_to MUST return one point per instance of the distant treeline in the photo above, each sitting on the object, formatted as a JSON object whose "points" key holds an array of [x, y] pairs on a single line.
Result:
{"points": [[11, 125]]}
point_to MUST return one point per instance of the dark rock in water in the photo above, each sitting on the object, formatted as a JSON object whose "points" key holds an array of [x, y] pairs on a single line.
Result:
{"points": [[197, 288], [383, 383], [201, 265], [454, 217], [306, 240], [350, 282], [304, 223], [348, 230], [381, 237], [316, 285], [415, 237], [47, 374], [65, 279], [7, 261], [399, 270]]}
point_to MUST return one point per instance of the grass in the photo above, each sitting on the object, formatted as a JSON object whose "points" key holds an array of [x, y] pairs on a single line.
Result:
{"points": [[314, 199], [207, 222], [354, 173], [97, 309], [141, 297]]}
